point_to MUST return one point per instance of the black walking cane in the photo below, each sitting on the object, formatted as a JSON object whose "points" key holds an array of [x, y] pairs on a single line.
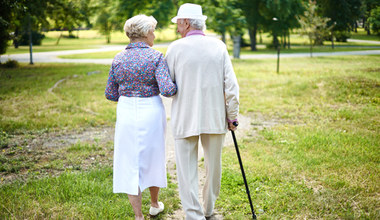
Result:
{"points": [[242, 170]]}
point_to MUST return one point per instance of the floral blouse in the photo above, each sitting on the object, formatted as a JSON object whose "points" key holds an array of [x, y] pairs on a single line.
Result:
{"points": [[139, 71]]}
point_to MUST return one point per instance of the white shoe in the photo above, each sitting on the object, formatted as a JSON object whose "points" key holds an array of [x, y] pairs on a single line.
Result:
{"points": [[155, 211]]}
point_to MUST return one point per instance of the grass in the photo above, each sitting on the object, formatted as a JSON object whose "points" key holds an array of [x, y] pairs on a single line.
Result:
{"points": [[74, 195], [87, 39], [29, 102], [362, 35], [319, 159]]}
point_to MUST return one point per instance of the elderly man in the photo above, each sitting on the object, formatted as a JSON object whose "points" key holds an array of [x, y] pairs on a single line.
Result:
{"points": [[205, 107]]}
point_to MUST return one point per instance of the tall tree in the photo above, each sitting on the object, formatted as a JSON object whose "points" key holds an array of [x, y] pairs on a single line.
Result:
{"points": [[312, 25], [20, 15], [253, 16], [367, 7], [5, 18], [280, 17], [225, 17], [343, 14], [65, 14], [374, 20]]}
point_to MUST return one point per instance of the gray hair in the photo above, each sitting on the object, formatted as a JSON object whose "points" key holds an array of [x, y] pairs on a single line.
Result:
{"points": [[139, 26], [197, 24]]}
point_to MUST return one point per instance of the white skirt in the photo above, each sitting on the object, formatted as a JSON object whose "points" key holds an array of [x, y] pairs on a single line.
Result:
{"points": [[139, 145]]}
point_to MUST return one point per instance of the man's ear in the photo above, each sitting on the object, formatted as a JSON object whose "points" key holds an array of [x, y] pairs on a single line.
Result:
{"points": [[187, 23]]}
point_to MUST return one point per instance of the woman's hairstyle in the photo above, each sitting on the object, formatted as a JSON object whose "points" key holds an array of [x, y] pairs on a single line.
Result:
{"points": [[197, 24], [139, 26]]}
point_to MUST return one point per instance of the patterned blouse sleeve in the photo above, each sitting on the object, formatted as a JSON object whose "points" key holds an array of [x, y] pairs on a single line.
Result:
{"points": [[165, 84], [112, 88]]}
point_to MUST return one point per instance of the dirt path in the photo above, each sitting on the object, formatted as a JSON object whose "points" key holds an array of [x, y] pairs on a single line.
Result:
{"points": [[246, 125]]}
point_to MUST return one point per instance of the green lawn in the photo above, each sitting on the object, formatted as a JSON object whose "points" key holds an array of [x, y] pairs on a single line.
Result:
{"points": [[319, 159]]}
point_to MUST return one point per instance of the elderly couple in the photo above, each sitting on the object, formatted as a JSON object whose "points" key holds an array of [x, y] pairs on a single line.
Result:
{"points": [[197, 73]]}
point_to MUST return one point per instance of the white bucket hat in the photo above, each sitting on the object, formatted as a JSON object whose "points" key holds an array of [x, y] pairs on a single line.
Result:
{"points": [[189, 10]]}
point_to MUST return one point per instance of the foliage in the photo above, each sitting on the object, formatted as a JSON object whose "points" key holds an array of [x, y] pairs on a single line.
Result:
{"points": [[5, 18], [374, 20], [312, 25], [10, 64], [367, 7], [105, 20], [343, 13], [225, 17], [36, 38], [280, 17], [251, 11], [66, 14]]}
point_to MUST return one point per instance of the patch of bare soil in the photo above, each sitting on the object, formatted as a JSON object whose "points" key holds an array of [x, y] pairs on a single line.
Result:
{"points": [[33, 155]]}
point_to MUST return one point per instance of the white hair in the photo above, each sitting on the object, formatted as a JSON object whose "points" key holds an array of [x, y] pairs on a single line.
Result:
{"points": [[139, 26], [197, 24]]}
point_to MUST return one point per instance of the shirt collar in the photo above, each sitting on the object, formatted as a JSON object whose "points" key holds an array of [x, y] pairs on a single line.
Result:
{"points": [[195, 32], [137, 44]]}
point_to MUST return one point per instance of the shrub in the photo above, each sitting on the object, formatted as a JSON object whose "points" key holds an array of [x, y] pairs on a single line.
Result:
{"points": [[11, 64], [36, 38]]}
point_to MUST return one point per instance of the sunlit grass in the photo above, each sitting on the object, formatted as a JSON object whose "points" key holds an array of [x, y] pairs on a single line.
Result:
{"points": [[318, 160]]}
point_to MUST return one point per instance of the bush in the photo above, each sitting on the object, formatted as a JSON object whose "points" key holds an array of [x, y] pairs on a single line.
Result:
{"points": [[36, 38], [11, 64], [374, 20], [342, 36]]}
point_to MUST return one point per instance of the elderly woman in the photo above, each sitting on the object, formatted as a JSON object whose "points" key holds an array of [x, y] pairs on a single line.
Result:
{"points": [[137, 76]]}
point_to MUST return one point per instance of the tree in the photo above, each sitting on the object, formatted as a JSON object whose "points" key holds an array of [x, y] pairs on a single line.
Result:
{"points": [[65, 14], [343, 14], [251, 11], [367, 7], [285, 13], [312, 25], [105, 19], [5, 17], [374, 20], [225, 17]]}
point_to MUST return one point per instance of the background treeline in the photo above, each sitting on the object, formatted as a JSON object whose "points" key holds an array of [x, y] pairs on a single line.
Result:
{"points": [[20, 19]]}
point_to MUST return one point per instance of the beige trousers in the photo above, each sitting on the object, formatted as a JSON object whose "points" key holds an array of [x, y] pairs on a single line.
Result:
{"points": [[187, 173]]}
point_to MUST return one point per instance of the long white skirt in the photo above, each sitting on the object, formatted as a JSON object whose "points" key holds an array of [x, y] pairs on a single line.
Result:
{"points": [[139, 145]]}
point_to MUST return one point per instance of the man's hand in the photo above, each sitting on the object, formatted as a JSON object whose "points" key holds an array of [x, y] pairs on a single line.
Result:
{"points": [[232, 126]]}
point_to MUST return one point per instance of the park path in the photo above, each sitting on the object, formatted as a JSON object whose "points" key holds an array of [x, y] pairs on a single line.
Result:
{"points": [[245, 125], [53, 56]]}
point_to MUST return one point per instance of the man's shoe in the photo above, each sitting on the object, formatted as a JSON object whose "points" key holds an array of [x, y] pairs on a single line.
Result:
{"points": [[154, 211]]}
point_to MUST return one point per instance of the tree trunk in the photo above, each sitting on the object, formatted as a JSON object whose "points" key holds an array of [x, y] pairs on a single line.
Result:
{"points": [[30, 40], [15, 39], [275, 41], [368, 27], [311, 47], [59, 38], [224, 37], [252, 37], [108, 38], [288, 40], [236, 40]]}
